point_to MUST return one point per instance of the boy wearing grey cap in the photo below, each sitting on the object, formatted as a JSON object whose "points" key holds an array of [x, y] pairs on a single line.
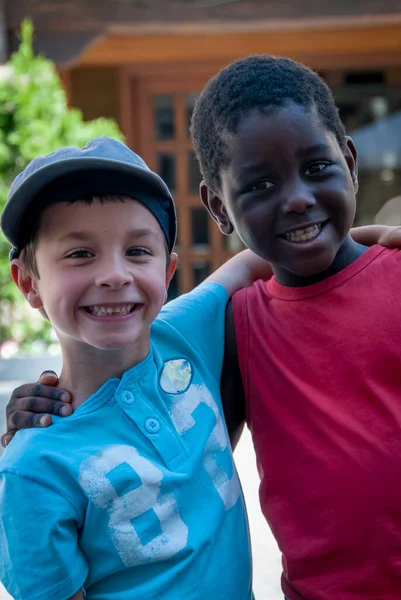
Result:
{"points": [[136, 494]]}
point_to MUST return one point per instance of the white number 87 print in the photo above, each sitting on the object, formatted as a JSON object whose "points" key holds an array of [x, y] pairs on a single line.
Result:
{"points": [[123, 509]]}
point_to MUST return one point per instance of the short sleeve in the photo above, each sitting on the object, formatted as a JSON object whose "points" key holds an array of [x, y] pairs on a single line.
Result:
{"points": [[40, 556], [199, 317]]}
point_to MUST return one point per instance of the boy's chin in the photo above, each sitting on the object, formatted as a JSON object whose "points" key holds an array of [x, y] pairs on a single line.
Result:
{"points": [[88, 344], [114, 345]]}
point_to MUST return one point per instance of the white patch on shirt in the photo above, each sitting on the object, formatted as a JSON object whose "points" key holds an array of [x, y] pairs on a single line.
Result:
{"points": [[124, 509], [182, 411], [176, 376]]}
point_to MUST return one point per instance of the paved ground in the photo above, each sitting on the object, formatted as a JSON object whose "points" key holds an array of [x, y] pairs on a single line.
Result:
{"points": [[266, 557]]}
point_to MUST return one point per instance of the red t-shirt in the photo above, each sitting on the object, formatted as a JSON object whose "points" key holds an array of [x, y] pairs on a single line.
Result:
{"points": [[321, 367]]}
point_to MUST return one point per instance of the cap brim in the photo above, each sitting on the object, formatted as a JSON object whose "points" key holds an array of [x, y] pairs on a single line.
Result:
{"points": [[32, 186]]}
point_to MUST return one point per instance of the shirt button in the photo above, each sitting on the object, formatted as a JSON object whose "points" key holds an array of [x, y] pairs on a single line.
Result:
{"points": [[127, 397], [152, 425]]}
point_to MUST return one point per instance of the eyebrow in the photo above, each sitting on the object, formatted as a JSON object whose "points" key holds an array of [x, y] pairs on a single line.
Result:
{"points": [[313, 149], [83, 236], [254, 170], [140, 233]]}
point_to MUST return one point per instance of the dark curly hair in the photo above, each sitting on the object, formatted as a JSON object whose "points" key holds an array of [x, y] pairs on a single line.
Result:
{"points": [[258, 81]]}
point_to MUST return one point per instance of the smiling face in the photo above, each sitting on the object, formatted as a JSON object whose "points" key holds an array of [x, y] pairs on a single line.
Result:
{"points": [[102, 273], [288, 190]]}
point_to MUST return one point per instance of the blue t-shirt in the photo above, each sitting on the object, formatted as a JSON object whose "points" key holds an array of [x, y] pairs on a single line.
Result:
{"points": [[136, 493]]}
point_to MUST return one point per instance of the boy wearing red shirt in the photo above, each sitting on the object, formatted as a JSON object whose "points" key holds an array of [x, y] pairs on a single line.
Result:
{"points": [[318, 344]]}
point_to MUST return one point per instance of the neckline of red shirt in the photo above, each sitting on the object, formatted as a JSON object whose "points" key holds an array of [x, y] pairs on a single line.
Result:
{"points": [[283, 292]]}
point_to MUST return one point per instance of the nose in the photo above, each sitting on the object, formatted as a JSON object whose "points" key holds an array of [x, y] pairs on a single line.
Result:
{"points": [[114, 272], [298, 197]]}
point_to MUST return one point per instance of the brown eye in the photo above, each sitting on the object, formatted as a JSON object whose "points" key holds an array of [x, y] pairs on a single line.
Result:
{"points": [[261, 185], [316, 168], [137, 251], [80, 254]]}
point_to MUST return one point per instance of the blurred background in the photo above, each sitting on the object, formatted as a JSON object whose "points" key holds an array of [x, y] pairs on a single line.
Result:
{"points": [[73, 69], [133, 68]]}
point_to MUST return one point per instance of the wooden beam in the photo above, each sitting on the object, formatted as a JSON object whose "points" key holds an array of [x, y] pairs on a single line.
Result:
{"points": [[65, 77], [334, 48], [3, 34]]}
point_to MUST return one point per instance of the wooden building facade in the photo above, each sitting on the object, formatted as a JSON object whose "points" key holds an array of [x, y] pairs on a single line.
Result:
{"points": [[143, 62]]}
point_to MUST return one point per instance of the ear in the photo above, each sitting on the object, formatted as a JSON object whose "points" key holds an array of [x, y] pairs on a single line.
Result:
{"points": [[215, 207], [25, 283], [171, 269], [351, 157]]}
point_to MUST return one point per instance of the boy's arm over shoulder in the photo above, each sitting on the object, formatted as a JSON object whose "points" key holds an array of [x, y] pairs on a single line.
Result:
{"points": [[39, 547], [241, 271], [383, 235], [200, 314]]}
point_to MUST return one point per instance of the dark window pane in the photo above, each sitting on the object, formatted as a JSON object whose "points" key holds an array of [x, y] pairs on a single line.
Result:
{"points": [[174, 289], [364, 77], [163, 110], [200, 227], [189, 105], [166, 169], [194, 174], [347, 111], [201, 270], [371, 112]]}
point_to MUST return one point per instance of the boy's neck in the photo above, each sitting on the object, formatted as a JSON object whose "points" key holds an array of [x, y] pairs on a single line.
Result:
{"points": [[86, 369], [348, 252]]}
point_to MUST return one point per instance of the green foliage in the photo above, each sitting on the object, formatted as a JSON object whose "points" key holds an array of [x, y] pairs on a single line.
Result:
{"points": [[34, 120]]}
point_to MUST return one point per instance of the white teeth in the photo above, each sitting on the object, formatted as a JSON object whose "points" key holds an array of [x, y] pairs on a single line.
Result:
{"points": [[106, 311], [303, 235]]}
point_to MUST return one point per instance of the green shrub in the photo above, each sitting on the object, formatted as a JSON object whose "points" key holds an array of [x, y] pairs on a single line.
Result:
{"points": [[34, 120]]}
